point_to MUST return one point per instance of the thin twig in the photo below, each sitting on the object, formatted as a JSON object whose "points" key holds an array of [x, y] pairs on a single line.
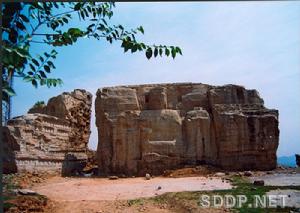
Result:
{"points": [[40, 42]]}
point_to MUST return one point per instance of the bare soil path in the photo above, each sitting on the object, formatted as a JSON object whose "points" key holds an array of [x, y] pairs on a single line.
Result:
{"points": [[101, 195], [103, 189]]}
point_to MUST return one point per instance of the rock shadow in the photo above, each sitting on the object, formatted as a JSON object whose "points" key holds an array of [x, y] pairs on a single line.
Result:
{"points": [[72, 166]]}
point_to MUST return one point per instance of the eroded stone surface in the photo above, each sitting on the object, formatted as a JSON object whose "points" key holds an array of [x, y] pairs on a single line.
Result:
{"points": [[150, 128], [53, 137]]}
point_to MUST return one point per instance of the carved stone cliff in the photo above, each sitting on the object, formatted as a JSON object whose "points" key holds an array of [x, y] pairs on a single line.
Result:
{"points": [[150, 128], [52, 137]]}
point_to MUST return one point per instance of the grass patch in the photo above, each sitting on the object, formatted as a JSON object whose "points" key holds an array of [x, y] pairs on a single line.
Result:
{"points": [[7, 206], [21, 203], [139, 201], [241, 187], [9, 184]]}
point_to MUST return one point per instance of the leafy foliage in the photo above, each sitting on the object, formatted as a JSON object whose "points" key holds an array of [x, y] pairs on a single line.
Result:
{"points": [[22, 22], [39, 104]]}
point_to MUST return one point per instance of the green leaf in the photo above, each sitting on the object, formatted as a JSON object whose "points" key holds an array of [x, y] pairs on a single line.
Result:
{"points": [[78, 6], [34, 83], [143, 45], [178, 50], [104, 21], [47, 68], [49, 83], [32, 67], [24, 18], [134, 48], [13, 35], [149, 53], [20, 25], [75, 32], [27, 78], [43, 74], [41, 59], [160, 51], [126, 45], [35, 62], [173, 52], [55, 5], [42, 82], [82, 15], [86, 12], [91, 25], [50, 63], [155, 52], [141, 29], [89, 9], [167, 52], [9, 91], [65, 20], [101, 27]]}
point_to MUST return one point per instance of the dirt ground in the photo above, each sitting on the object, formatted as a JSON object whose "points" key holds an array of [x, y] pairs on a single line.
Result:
{"points": [[101, 195], [125, 207], [91, 195], [89, 189]]}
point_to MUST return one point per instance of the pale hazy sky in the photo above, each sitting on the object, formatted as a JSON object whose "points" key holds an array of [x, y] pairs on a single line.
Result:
{"points": [[255, 44]]}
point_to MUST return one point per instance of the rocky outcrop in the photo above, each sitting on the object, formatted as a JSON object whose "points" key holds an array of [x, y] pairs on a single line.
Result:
{"points": [[151, 128], [52, 137]]}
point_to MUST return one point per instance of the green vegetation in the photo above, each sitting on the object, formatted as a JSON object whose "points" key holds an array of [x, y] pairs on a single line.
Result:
{"points": [[9, 184], [8, 187], [135, 202], [49, 24], [39, 104], [185, 201], [20, 203]]}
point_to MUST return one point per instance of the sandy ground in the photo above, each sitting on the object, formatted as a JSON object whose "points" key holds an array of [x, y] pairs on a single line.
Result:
{"points": [[95, 189], [101, 195]]}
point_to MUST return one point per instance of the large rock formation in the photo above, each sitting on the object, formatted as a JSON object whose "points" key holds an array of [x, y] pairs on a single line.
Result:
{"points": [[52, 137], [150, 128]]}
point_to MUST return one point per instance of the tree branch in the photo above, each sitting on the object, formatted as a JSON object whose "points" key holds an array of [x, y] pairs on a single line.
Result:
{"points": [[40, 42]]}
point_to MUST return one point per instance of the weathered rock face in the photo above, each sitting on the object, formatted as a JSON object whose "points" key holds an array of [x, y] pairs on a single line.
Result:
{"points": [[150, 128], [53, 137]]}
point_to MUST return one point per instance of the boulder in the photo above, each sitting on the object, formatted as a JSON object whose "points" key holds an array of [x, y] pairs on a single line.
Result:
{"points": [[113, 177], [220, 174], [26, 192], [248, 173], [259, 183], [148, 176]]}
